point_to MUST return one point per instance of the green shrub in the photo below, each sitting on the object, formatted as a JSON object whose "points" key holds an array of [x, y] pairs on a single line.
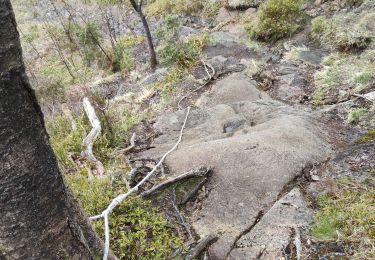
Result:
{"points": [[277, 19], [349, 216], [88, 36], [181, 51], [343, 31], [137, 230], [122, 55]]}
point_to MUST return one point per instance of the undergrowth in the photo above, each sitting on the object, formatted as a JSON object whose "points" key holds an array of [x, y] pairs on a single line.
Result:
{"points": [[183, 52], [348, 217], [330, 80], [344, 32], [137, 230]]}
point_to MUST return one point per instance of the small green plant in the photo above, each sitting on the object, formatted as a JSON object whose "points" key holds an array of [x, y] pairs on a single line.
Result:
{"points": [[183, 52], [137, 230], [122, 55], [348, 216], [32, 34], [277, 19], [356, 115]]}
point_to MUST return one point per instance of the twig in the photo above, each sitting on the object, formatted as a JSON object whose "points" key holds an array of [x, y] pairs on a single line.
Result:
{"points": [[131, 146], [119, 199], [369, 96], [179, 215], [187, 175], [210, 77], [89, 140], [297, 243], [201, 245]]}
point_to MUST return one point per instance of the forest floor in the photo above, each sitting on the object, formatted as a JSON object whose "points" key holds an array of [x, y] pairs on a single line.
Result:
{"points": [[286, 129]]}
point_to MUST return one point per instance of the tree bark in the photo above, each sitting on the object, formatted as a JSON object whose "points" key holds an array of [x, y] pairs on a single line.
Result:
{"points": [[39, 219], [138, 9]]}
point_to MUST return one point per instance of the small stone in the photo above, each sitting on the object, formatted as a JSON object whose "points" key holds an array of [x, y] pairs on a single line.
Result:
{"points": [[315, 177]]}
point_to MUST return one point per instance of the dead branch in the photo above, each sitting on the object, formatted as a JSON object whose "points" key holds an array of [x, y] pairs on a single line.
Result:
{"points": [[194, 191], [210, 77], [202, 172], [369, 96], [89, 140], [119, 199], [201, 246], [180, 218], [131, 146]]}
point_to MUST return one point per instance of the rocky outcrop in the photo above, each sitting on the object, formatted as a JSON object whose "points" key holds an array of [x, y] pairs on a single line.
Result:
{"points": [[256, 146]]}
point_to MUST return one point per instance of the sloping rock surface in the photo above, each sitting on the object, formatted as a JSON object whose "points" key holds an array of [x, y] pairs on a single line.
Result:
{"points": [[255, 145], [277, 229]]}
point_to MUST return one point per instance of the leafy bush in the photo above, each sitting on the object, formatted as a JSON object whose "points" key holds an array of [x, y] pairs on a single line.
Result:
{"points": [[277, 19], [349, 216], [343, 31], [137, 230], [122, 55]]}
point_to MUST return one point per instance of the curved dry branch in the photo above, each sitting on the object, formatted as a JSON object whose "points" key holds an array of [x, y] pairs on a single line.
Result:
{"points": [[89, 140], [119, 199]]}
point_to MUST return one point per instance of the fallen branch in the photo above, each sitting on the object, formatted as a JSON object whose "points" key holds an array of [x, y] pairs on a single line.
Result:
{"points": [[119, 199], [194, 191], [200, 247], [131, 146], [187, 175], [180, 218], [369, 96], [89, 140]]}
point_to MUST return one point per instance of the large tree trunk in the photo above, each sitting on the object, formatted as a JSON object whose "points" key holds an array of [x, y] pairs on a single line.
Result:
{"points": [[38, 218]]}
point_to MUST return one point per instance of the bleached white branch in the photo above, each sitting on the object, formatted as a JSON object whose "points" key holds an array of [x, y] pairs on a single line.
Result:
{"points": [[89, 140], [119, 199]]}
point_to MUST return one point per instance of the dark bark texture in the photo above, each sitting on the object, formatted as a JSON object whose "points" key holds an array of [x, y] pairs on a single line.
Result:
{"points": [[138, 9], [38, 218]]}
